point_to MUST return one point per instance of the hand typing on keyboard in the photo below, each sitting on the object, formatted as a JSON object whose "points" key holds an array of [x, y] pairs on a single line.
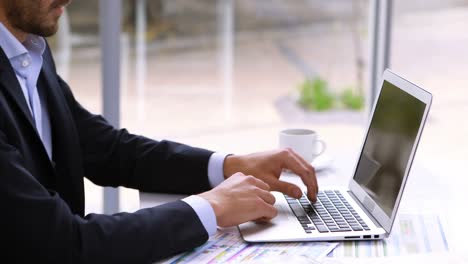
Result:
{"points": [[268, 167], [242, 198]]}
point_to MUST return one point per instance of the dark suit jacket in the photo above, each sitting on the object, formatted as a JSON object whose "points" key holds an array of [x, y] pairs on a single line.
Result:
{"points": [[42, 202]]}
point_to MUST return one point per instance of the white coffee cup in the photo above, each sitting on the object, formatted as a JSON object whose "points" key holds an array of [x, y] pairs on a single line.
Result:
{"points": [[304, 142]]}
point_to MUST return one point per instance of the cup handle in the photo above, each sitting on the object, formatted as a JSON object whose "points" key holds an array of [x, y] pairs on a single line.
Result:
{"points": [[323, 147]]}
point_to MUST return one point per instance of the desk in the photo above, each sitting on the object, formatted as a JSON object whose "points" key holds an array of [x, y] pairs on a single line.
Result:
{"points": [[433, 187]]}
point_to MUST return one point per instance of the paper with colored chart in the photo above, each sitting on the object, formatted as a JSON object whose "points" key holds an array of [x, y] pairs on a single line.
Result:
{"points": [[411, 234], [227, 246]]}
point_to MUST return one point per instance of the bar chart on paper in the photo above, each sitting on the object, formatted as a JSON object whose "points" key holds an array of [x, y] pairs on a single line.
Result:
{"points": [[411, 234], [228, 247]]}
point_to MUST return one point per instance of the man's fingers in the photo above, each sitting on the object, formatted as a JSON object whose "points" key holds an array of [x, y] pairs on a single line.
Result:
{"points": [[295, 163], [266, 196], [257, 182], [287, 188], [262, 220], [292, 163], [266, 210], [312, 185]]}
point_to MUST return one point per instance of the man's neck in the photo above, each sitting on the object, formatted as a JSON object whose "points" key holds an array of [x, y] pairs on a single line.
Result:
{"points": [[19, 34]]}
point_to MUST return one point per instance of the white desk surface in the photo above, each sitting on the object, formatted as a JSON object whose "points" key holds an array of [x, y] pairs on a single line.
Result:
{"points": [[433, 187]]}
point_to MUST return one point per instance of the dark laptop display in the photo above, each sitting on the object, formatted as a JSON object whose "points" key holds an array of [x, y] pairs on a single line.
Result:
{"points": [[387, 149]]}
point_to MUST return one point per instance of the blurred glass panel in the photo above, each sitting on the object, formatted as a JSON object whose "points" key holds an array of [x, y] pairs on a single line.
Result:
{"points": [[429, 48], [208, 67], [194, 71]]}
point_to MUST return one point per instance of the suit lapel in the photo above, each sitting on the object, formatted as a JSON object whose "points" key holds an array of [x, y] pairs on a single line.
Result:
{"points": [[10, 83], [66, 148], [68, 172]]}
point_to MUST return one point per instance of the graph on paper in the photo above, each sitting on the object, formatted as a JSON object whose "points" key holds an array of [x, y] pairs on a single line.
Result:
{"points": [[411, 234], [228, 247]]}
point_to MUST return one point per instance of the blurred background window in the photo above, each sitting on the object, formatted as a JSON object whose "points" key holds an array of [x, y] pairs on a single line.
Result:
{"points": [[210, 72]]}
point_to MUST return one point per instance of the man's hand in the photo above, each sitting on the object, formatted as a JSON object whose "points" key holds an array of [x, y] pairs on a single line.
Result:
{"points": [[268, 166], [240, 199]]}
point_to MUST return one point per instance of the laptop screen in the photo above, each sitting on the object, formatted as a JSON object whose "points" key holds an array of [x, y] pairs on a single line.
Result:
{"points": [[387, 149]]}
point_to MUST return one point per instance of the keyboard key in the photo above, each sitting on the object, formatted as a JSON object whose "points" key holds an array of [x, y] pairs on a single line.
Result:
{"points": [[356, 228], [297, 209], [345, 229], [322, 228], [312, 214], [317, 223]]}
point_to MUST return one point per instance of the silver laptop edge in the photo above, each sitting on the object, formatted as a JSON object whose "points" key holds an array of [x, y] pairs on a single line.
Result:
{"points": [[359, 193], [363, 202]]}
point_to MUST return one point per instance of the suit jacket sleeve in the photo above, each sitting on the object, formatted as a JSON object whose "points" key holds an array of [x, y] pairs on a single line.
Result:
{"points": [[115, 157], [38, 226]]}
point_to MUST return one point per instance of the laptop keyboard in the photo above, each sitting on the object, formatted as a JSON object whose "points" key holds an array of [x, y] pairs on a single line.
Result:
{"points": [[331, 213]]}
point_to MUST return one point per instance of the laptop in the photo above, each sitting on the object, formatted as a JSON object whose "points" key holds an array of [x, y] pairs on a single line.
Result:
{"points": [[367, 207]]}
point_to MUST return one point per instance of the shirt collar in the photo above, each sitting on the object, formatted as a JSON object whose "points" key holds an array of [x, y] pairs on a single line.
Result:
{"points": [[13, 48], [34, 43]]}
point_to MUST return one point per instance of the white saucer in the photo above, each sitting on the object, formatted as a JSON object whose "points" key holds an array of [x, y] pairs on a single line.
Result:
{"points": [[322, 162]]}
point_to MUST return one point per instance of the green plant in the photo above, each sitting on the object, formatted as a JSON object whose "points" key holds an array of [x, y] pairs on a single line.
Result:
{"points": [[314, 95], [352, 100]]}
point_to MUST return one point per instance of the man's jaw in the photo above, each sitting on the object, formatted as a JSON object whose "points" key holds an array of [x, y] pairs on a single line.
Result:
{"points": [[60, 4]]}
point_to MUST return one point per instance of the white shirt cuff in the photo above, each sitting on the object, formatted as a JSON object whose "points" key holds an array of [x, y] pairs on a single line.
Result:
{"points": [[216, 168], [204, 212]]}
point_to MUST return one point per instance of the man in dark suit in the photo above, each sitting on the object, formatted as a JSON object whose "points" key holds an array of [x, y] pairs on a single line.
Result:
{"points": [[49, 143]]}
